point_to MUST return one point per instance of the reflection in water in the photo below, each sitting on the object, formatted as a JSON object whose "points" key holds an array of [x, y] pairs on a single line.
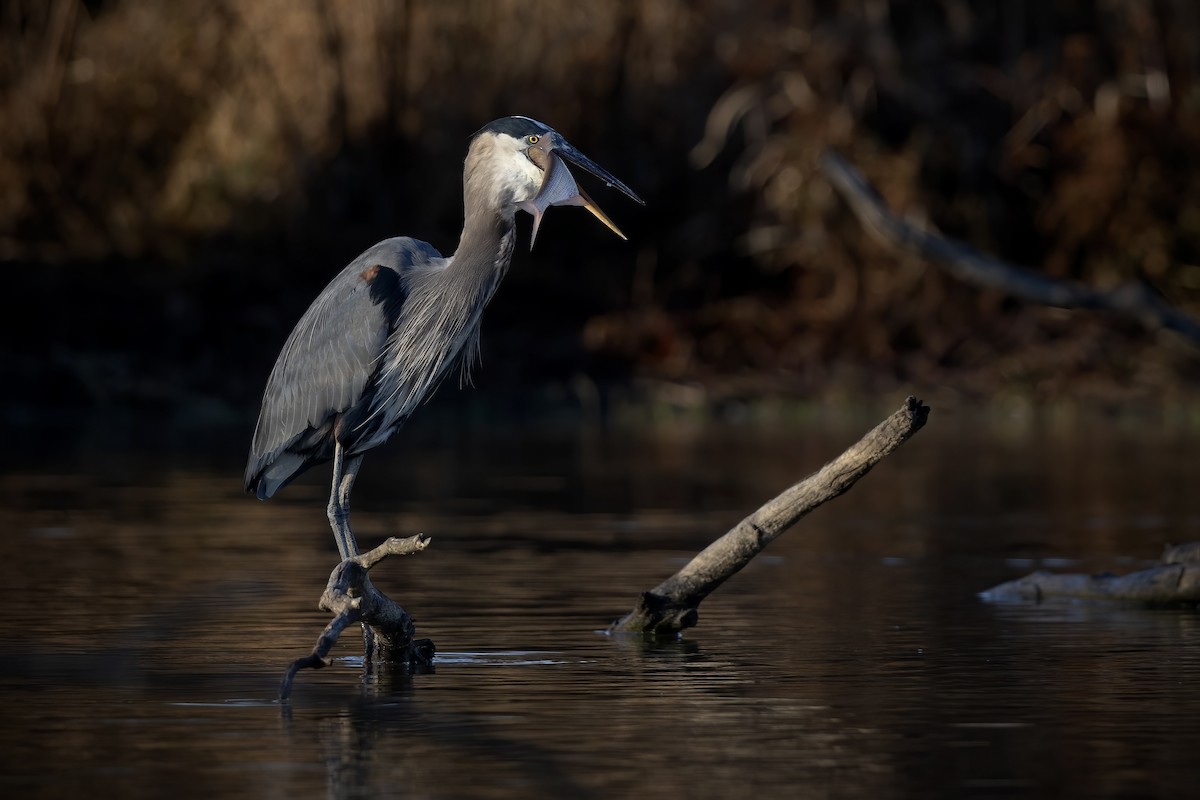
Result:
{"points": [[152, 608]]}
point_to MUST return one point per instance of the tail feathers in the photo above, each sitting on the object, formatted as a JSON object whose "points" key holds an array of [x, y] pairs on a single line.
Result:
{"points": [[267, 479]]}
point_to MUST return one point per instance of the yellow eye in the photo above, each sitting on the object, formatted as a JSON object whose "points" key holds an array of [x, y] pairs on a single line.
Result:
{"points": [[533, 138]]}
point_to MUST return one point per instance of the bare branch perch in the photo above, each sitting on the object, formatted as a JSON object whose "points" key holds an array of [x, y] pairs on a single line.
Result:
{"points": [[1175, 580], [970, 266], [394, 546], [672, 605], [351, 597]]}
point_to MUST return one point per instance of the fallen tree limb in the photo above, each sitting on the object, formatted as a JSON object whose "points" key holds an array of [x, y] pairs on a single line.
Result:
{"points": [[351, 597], [673, 605], [1132, 300], [1175, 580]]}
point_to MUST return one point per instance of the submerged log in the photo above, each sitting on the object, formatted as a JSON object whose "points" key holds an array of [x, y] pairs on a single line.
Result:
{"points": [[1175, 580], [351, 597], [667, 609], [673, 605]]}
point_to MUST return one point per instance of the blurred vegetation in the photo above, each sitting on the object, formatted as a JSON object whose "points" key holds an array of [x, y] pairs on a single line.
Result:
{"points": [[178, 180]]}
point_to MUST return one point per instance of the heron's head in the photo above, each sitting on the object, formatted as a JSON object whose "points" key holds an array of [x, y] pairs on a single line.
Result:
{"points": [[520, 164]]}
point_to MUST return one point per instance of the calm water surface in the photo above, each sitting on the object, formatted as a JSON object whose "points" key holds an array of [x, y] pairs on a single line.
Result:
{"points": [[152, 607]]}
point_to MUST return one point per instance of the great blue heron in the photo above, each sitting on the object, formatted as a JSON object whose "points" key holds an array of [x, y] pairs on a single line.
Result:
{"points": [[385, 331]]}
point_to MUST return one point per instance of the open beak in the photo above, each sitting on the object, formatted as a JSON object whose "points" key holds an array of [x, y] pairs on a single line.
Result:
{"points": [[559, 187]]}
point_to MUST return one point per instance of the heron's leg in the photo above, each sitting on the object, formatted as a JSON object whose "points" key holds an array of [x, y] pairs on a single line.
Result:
{"points": [[345, 470]]}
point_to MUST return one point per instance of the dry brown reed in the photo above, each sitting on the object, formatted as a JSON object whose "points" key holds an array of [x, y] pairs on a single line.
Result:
{"points": [[1062, 136]]}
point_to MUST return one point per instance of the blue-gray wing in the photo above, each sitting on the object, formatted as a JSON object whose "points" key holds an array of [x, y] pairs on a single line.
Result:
{"points": [[329, 362]]}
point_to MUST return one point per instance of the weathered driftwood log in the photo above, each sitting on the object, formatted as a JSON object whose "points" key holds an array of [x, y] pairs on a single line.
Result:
{"points": [[351, 597], [962, 261], [1175, 580], [673, 605]]}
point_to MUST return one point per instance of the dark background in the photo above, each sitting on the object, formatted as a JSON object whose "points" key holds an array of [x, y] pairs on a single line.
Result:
{"points": [[179, 180]]}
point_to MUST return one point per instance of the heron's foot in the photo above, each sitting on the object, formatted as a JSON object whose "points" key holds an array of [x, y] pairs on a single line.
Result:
{"points": [[388, 630]]}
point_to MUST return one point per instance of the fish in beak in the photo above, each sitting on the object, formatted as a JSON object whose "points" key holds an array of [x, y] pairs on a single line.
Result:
{"points": [[559, 187]]}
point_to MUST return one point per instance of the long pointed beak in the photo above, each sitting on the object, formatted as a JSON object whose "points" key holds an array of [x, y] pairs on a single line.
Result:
{"points": [[559, 187], [566, 150], [591, 206]]}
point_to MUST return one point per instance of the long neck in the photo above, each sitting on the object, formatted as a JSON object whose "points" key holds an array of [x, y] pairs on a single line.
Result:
{"points": [[485, 250], [439, 324]]}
